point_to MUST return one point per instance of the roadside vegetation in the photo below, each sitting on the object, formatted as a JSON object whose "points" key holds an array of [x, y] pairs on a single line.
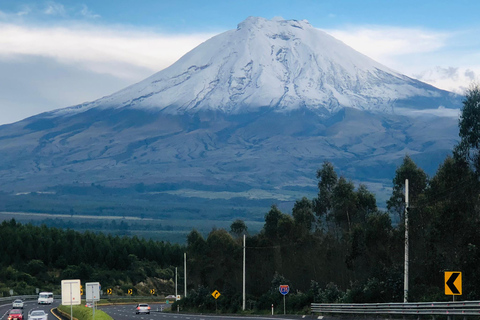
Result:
{"points": [[336, 247], [83, 313]]}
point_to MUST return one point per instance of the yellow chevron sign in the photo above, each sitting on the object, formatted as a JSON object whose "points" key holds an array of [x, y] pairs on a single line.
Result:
{"points": [[453, 283]]}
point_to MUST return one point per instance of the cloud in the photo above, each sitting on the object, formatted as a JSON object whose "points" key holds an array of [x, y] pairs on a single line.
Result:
{"points": [[439, 112], [447, 60], [48, 11], [46, 68], [438, 73], [24, 11], [87, 13], [381, 43], [56, 9], [31, 84], [470, 75], [98, 49]]}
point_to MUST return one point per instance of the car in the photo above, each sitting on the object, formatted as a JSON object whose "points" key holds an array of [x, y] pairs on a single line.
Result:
{"points": [[17, 304], [37, 315], [15, 314], [142, 308], [88, 305], [45, 298]]}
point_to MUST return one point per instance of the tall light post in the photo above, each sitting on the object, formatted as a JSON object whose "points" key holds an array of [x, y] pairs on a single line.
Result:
{"points": [[244, 297], [185, 272], [405, 283]]}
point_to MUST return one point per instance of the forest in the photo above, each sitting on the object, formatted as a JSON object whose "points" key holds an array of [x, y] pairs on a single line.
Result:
{"points": [[337, 247]]}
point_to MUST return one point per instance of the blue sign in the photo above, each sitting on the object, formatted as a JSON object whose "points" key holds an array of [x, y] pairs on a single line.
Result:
{"points": [[284, 289]]}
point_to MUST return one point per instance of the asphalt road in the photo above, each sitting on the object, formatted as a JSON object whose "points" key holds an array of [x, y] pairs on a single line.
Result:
{"points": [[127, 312], [29, 305]]}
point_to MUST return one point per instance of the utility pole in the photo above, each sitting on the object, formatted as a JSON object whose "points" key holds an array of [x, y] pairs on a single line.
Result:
{"points": [[405, 284], [244, 245], [176, 293], [185, 272]]}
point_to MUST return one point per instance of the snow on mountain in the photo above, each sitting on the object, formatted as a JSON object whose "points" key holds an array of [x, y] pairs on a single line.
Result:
{"points": [[282, 64], [260, 107]]}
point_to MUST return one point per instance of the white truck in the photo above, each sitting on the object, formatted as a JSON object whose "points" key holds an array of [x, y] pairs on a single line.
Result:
{"points": [[45, 298]]}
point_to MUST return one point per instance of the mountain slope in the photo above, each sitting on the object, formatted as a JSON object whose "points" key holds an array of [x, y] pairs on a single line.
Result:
{"points": [[260, 107]]}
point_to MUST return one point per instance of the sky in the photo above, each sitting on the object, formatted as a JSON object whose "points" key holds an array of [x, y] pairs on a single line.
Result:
{"points": [[55, 54]]}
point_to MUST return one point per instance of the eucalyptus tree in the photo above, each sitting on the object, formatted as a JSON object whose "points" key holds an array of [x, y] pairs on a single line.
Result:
{"points": [[469, 128]]}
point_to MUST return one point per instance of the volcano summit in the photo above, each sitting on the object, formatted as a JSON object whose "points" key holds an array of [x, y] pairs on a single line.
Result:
{"points": [[281, 64], [255, 108]]}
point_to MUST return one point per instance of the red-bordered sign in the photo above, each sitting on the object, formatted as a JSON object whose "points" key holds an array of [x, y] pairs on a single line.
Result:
{"points": [[284, 289]]}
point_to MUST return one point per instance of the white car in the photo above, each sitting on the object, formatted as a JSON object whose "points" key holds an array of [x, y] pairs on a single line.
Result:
{"points": [[37, 315], [142, 308], [17, 304]]}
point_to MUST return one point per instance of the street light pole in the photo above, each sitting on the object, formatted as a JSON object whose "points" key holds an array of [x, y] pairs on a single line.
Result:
{"points": [[405, 284], [185, 272], [244, 298]]}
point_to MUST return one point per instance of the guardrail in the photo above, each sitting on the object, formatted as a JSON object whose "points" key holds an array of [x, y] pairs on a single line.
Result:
{"points": [[458, 308], [106, 297], [11, 298]]}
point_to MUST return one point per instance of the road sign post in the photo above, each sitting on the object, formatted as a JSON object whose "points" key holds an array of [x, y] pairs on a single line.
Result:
{"points": [[71, 294], [284, 289], [216, 294], [92, 294], [453, 283]]}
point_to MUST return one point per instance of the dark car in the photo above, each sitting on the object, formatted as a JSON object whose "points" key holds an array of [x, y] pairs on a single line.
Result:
{"points": [[15, 314]]}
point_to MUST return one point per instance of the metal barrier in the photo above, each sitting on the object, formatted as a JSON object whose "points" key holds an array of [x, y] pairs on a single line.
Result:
{"points": [[459, 308], [59, 298], [11, 298]]}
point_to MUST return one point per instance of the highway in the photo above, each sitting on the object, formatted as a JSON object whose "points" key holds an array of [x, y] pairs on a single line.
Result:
{"points": [[29, 305], [127, 312]]}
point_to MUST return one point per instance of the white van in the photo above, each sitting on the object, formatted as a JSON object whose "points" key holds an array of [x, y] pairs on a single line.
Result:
{"points": [[45, 298]]}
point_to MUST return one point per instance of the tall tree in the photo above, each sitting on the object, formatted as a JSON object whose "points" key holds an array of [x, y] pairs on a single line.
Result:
{"points": [[469, 125], [302, 213], [344, 204], [417, 183], [327, 180], [238, 228], [366, 203], [271, 222]]}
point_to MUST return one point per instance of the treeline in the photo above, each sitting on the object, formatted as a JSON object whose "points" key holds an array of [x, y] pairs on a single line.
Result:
{"points": [[120, 225], [40, 257]]}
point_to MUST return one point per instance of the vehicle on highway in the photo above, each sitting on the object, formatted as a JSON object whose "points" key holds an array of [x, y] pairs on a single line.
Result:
{"points": [[45, 298], [88, 305], [17, 304], [15, 314], [37, 315], [142, 308]]}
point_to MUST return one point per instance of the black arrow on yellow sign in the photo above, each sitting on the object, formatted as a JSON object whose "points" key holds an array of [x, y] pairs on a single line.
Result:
{"points": [[453, 283]]}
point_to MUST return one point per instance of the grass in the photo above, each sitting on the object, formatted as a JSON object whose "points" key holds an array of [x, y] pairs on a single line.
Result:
{"points": [[84, 313]]}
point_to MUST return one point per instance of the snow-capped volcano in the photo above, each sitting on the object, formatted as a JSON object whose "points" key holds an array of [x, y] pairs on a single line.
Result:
{"points": [[255, 108], [283, 64]]}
